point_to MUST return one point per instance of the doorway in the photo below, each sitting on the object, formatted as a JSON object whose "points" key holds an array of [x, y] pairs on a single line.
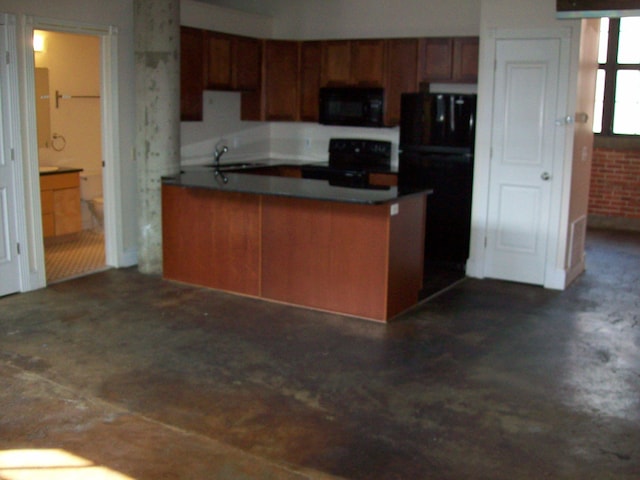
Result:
{"points": [[68, 110]]}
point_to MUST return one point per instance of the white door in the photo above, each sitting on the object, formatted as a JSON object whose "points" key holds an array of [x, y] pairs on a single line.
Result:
{"points": [[526, 88], [9, 265]]}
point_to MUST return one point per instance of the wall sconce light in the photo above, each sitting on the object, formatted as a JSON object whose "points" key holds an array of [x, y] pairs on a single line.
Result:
{"points": [[38, 42]]}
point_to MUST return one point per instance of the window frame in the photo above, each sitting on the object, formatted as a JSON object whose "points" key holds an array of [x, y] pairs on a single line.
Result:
{"points": [[611, 68]]}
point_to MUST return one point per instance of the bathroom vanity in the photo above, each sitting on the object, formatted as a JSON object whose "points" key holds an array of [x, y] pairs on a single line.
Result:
{"points": [[60, 201]]}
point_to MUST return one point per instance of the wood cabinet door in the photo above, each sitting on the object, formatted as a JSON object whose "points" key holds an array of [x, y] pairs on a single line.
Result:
{"points": [[367, 63], [336, 63], [310, 60], [66, 211], [247, 63], [465, 59], [281, 80], [219, 53], [191, 73], [211, 238], [401, 75], [436, 59]]}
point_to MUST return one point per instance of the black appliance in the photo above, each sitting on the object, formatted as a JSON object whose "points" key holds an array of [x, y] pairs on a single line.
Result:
{"points": [[351, 106], [350, 162], [437, 134]]}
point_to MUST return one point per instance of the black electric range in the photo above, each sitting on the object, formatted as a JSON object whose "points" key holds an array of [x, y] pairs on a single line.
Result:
{"points": [[350, 162]]}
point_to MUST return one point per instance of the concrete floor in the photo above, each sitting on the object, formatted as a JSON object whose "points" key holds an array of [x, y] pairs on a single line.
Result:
{"points": [[148, 379]]}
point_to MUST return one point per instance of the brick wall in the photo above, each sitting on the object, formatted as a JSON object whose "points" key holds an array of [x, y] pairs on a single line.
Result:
{"points": [[615, 184]]}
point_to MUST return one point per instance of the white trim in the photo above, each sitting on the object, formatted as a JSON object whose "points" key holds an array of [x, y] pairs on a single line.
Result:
{"points": [[115, 255], [14, 138], [562, 164], [482, 159], [114, 248], [554, 277], [574, 272], [32, 209]]}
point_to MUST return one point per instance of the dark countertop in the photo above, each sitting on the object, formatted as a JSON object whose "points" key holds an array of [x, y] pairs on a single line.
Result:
{"points": [[372, 169], [245, 182], [62, 170]]}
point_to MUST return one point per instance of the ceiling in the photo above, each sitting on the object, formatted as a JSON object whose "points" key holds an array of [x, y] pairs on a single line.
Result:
{"points": [[262, 7]]}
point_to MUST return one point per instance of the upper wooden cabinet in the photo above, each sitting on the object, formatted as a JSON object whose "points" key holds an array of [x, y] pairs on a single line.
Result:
{"points": [[310, 63], [336, 62], [191, 73], [402, 75], [367, 63], [465, 59], [353, 63], [281, 80], [233, 62], [449, 59], [436, 59]]}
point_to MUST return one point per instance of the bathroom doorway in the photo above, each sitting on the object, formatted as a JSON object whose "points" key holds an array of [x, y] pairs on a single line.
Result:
{"points": [[68, 110]]}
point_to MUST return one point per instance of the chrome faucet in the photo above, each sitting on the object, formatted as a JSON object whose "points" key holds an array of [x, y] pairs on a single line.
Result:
{"points": [[217, 153]]}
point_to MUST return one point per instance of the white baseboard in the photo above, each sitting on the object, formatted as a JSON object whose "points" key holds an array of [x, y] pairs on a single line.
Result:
{"points": [[555, 279], [129, 258]]}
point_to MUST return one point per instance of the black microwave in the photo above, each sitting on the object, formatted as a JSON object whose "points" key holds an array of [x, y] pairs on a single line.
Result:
{"points": [[351, 106]]}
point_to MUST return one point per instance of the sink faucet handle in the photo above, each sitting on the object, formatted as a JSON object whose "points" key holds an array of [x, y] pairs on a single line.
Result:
{"points": [[219, 150]]}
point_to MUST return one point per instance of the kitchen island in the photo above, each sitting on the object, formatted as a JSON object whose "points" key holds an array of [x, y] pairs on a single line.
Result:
{"points": [[354, 251]]}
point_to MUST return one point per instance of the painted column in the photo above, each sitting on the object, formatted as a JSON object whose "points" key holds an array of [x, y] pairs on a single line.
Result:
{"points": [[157, 57]]}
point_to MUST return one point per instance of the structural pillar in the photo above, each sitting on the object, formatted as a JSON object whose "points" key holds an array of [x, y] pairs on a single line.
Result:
{"points": [[157, 57]]}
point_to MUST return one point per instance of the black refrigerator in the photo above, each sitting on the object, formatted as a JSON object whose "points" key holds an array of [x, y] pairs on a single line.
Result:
{"points": [[437, 135]]}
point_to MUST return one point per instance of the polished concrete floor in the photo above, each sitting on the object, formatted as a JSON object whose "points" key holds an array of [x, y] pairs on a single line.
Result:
{"points": [[148, 379]]}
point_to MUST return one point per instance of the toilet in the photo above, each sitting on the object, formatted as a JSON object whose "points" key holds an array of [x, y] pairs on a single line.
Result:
{"points": [[92, 200]]}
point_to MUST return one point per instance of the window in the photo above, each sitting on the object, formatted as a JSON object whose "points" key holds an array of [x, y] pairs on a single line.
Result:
{"points": [[617, 108]]}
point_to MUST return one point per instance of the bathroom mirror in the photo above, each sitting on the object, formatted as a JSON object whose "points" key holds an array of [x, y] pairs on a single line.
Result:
{"points": [[43, 118]]}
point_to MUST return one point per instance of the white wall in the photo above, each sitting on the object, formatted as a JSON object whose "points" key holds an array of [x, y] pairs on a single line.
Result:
{"points": [[210, 17], [312, 19], [582, 153], [74, 69]]}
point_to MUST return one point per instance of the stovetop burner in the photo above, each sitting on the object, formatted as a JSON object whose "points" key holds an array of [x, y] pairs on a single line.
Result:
{"points": [[350, 162]]}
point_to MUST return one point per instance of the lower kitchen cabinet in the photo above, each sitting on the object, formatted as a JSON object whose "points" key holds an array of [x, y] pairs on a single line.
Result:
{"points": [[355, 259], [60, 203], [211, 238]]}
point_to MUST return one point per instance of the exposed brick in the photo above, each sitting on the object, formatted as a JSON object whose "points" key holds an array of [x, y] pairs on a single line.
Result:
{"points": [[615, 183]]}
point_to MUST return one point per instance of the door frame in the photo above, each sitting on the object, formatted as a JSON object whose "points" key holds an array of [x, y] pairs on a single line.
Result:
{"points": [[555, 276], [110, 136], [13, 127]]}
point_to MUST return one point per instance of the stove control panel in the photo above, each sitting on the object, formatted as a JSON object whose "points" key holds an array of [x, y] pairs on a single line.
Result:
{"points": [[356, 147], [358, 153]]}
